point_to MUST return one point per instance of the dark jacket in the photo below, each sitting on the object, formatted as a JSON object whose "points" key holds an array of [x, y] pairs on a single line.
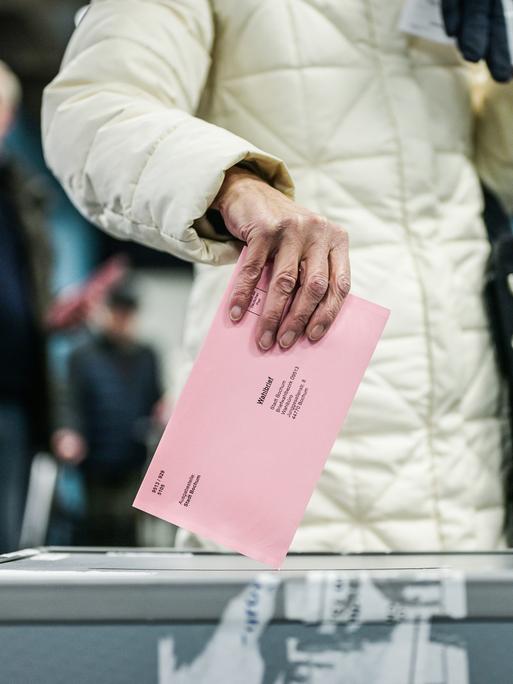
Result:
{"points": [[112, 392], [25, 262]]}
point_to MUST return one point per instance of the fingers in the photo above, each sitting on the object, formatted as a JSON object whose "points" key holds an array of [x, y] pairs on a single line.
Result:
{"points": [[282, 285], [499, 54], [294, 304], [451, 12], [339, 286], [248, 279], [312, 290]]}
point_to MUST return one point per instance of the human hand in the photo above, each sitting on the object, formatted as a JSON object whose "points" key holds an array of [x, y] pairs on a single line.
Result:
{"points": [[309, 253], [479, 27], [69, 446]]}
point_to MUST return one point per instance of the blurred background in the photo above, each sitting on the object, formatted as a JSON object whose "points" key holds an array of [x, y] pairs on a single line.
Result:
{"points": [[106, 318], [90, 328]]}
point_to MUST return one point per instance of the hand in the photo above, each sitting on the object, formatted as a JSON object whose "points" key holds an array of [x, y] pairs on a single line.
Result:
{"points": [[69, 446], [310, 253], [479, 27]]}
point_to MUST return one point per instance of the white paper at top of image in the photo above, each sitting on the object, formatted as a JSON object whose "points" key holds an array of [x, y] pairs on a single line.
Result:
{"points": [[423, 18]]}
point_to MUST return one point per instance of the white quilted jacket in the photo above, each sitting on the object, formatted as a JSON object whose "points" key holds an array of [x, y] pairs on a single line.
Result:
{"points": [[156, 98]]}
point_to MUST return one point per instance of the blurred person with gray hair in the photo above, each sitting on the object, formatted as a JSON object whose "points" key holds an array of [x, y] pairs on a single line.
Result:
{"points": [[24, 291]]}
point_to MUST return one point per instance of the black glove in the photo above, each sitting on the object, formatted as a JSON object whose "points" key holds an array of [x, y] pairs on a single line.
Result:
{"points": [[479, 27]]}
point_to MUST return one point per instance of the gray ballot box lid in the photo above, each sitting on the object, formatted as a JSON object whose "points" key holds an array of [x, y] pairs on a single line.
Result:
{"points": [[54, 584]]}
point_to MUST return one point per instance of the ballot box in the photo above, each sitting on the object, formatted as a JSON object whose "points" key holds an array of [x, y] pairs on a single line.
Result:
{"points": [[116, 616]]}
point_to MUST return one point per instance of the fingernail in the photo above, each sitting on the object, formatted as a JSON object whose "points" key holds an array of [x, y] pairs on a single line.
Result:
{"points": [[317, 332], [288, 339], [266, 341], [235, 313]]}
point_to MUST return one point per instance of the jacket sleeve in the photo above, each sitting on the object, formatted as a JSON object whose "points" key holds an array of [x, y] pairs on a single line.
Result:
{"points": [[494, 140], [119, 129]]}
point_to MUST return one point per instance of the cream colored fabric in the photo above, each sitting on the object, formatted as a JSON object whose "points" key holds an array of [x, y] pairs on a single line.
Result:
{"points": [[157, 97]]}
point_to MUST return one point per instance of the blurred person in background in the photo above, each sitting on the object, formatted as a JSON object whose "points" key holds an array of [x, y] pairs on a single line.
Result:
{"points": [[113, 391], [24, 297], [195, 126]]}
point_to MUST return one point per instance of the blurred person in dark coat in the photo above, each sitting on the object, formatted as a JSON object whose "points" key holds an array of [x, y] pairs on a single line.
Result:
{"points": [[24, 297], [113, 391]]}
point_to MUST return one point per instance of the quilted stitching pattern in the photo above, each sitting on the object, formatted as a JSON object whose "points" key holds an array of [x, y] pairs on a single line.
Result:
{"points": [[399, 474], [378, 133]]}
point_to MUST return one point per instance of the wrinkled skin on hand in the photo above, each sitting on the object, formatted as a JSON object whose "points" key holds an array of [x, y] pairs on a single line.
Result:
{"points": [[309, 253]]}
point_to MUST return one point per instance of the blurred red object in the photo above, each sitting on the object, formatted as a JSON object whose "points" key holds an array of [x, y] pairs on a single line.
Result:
{"points": [[74, 307]]}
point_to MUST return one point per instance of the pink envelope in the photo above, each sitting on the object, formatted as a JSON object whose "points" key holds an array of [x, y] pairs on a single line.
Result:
{"points": [[251, 431]]}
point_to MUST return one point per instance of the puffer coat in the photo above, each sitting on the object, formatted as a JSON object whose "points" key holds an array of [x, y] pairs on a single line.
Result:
{"points": [[378, 131]]}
